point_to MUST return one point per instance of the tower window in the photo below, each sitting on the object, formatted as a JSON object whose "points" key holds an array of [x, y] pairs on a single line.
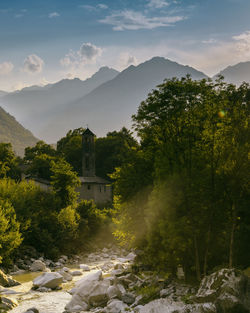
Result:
{"points": [[100, 188], [89, 187]]}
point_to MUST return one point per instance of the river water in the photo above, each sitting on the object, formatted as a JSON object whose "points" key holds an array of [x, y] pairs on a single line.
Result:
{"points": [[45, 302]]}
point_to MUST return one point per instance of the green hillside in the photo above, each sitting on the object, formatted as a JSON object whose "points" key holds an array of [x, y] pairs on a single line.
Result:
{"points": [[13, 132]]}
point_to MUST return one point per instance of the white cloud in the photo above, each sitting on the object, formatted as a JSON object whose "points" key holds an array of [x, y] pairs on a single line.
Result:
{"points": [[54, 14], [157, 4], [102, 6], [126, 59], [132, 20], [87, 53], [243, 43], [33, 64], [6, 68], [99, 6], [209, 41]]}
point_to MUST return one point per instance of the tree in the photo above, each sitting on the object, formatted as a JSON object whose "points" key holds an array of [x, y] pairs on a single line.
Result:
{"points": [[64, 181], [8, 162], [10, 237]]}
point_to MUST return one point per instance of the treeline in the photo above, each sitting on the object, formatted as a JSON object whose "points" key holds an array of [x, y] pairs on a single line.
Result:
{"points": [[54, 222], [182, 197]]}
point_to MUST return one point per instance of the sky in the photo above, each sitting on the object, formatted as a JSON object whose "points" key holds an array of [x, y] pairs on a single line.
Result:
{"points": [[44, 41]]}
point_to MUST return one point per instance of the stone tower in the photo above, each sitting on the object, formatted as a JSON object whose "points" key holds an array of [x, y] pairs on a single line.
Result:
{"points": [[88, 154]]}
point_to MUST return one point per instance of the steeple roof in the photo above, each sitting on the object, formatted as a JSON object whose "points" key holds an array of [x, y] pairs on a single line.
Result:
{"points": [[88, 132]]}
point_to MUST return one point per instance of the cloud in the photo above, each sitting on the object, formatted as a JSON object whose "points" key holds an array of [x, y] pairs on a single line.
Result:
{"points": [[6, 68], [87, 53], [54, 14], [132, 20], [102, 6], [157, 4], [33, 64], [209, 41], [99, 6], [243, 43], [126, 59]]}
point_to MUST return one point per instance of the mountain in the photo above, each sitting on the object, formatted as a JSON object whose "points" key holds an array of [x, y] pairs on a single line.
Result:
{"points": [[110, 106], [236, 74], [107, 107], [32, 106], [3, 93], [13, 132]]}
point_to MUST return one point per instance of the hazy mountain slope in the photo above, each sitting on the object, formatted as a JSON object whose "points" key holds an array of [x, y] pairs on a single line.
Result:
{"points": [[236, 74], [13, 132], [111, 105], [32, 106]]}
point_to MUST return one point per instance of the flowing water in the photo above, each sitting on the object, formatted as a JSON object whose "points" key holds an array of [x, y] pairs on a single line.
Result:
{"points": [[46, 302]]}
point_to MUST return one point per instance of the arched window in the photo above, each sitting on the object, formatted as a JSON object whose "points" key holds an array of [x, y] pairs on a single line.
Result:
{"points": [[87, 163]]}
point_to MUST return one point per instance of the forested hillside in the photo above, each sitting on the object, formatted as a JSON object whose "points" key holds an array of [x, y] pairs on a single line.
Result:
{"points": [[13, 132]]}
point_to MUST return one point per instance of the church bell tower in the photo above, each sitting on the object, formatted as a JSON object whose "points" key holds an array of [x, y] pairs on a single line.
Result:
{"points": [[88, 153]]}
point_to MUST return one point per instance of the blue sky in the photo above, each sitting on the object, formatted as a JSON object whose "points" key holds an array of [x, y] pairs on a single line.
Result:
{"points": [[45, 41]]}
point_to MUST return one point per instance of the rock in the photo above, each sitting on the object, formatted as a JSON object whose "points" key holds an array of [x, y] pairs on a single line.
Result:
{"points": [[79, 308], [118, 266], [43, 289], [76, 273], [65, 269], [116, 306], [7, 281], [38, 266], [48, 280], [164, 293], [66, 276], [84, 267], [128, 298], [99, 294], [7, 304], [114, 292], [228, 289], [32, 310], [83, 289], [131, 256]]}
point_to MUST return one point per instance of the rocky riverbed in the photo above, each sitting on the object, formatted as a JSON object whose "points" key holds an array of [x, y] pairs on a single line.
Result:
{"points": [[103, 282]]}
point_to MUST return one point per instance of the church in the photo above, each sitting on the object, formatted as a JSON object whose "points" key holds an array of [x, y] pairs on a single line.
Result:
{"points": [[92, 187]]}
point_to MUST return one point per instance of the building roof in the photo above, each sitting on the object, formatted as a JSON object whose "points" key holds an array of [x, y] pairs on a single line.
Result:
{"points": [[94, 180], [88, 132], [39, 180]]}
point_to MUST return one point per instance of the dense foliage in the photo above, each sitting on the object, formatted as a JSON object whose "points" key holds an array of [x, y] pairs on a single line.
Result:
{"points": [[184, 196]]}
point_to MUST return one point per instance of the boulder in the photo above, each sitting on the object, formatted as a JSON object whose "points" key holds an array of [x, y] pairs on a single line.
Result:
{"points": [[84, 267], [66, 276], [83, 289], [38, 266], [7, 281], [128, 298], [116, 306], [114, 292], [48, 280], [7, 304], [99, 294], [76, 273], [228, 289], [32, 310]]}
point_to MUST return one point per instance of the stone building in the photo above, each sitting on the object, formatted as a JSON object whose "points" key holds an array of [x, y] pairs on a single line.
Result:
{"points": [[92, 187]]}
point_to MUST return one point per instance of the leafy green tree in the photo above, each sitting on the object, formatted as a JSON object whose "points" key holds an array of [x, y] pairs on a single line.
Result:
{"points": [[40, 148], [70, 148], [111, 151], [64, 181], [8, 162], [10, 237]]}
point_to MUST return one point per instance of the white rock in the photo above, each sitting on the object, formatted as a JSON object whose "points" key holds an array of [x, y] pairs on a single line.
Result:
{"points": [[84, 267], [114, 292], [48, 280], [37, 266], [116, 306], [99, 294], [66, 276], [76, 273]]}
